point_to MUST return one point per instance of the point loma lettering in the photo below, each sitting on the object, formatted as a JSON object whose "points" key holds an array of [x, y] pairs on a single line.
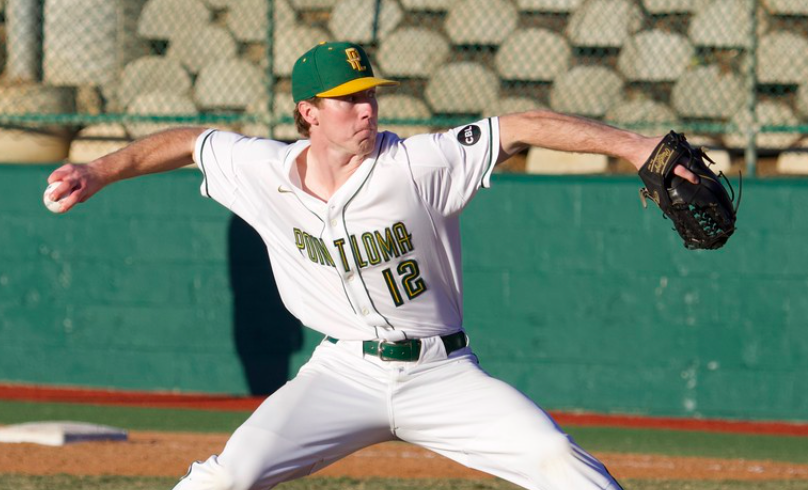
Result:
{"points": [[314, 247], [366, 249]]}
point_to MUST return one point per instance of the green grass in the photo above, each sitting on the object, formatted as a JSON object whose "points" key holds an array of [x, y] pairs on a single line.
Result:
{"points": [[65, 482], [715, 485], [130, 418], [692, 443]]}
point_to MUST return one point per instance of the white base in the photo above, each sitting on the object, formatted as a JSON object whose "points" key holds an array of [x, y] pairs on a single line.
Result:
{"points": [[60, 433]]}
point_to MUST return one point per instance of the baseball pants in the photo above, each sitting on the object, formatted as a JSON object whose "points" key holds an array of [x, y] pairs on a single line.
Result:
{"points": [[343, 400]]}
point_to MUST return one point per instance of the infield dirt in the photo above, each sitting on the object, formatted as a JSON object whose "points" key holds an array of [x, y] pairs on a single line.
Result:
{"points": [[169, 454]]}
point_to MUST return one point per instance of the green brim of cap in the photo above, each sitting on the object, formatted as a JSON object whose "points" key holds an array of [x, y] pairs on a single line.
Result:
{"points": [[356, 85]]}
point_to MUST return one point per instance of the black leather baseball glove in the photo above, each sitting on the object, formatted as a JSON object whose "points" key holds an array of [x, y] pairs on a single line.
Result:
{"points": [[702, 213]]}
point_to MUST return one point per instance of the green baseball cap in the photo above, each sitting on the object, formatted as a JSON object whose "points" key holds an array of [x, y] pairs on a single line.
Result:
{"points": [[332, 70]]}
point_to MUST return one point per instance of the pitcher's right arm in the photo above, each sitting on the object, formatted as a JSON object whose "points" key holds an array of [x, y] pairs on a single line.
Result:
{"points": [[159, 152]]}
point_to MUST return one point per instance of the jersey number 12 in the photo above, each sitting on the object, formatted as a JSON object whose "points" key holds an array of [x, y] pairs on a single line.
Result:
{"points": [[411, 281]]}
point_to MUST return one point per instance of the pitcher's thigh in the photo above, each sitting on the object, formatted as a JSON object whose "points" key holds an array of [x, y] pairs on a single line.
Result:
{"points": [[312, 421], [488, 425]]}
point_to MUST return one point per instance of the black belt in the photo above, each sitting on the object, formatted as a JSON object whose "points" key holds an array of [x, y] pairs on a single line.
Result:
{"points": [[407, 350]]}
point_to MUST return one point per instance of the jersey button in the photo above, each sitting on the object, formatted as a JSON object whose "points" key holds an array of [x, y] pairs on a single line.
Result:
{"points": [[333, 222], [349, 277], [365, 311]]}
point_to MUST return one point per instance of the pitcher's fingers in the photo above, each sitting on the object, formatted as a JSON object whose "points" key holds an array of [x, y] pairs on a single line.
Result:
{"points": [[64, 188], [61, 173], [686, 174], [74, 197]]}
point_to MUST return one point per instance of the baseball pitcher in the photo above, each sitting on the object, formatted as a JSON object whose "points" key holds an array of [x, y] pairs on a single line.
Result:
{"points": [[362, 229]]}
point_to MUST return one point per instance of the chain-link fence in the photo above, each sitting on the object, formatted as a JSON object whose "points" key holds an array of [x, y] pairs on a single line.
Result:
{"points": [[91, 74]]}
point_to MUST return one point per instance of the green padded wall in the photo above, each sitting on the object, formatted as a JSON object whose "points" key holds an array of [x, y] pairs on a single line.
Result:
{"points": [[574, 293]]}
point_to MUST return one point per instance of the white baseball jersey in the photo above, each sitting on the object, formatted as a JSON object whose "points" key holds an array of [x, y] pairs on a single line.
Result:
{"points": [[381, 258]]}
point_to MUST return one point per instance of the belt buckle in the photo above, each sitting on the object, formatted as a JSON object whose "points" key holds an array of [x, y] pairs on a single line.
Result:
{"points": [[380, 351], [405, 350]]}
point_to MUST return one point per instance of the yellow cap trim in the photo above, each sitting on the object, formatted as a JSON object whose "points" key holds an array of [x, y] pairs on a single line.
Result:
{"points": [[356, 85]]}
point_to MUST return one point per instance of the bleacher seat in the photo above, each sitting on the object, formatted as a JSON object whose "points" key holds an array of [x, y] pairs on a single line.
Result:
{"points": [[96, 141], [412, 52], [352, 20], [792, 162], [228, 84], [786, 7], [219, 4], [462, 88], [34, 98], [802, 101], [587, 90], [152, 74], [766, 113], [544, 161], [548, 6], [481, 22], [290, 43], [95, 57], [27, 146], [707, 92], [400, 106], [313, 4], [644, 116], [656, 7], [162, 104], [721, 24], [247, 19], [284, 15], [510, 105], [22, 36], [533, 55], [655, 56], [34, 146], [158, 20], [427, 5], [205, 45], [604, 23], [722, 161], [782, 58], [283, 105]]}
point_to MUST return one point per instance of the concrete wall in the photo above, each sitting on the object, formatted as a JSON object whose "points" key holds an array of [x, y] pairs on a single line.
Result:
{"points": [[573, 293], [584, 300]]}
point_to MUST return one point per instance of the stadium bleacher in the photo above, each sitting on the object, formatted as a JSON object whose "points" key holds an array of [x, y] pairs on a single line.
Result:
{"points": [[682, 62]]}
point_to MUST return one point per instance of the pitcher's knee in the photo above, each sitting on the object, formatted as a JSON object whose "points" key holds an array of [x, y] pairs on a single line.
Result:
{"points": [[209, 475], [551, 451], [558, 464]]}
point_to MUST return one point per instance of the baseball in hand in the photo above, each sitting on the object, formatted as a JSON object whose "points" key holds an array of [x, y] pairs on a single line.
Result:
{"points": [[53, 206]]}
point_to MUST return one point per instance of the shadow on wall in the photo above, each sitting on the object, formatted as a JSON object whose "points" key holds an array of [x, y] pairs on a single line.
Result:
{"points": [[265, 333]]}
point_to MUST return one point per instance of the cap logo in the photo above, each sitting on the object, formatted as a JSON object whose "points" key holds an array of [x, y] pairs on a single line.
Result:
{"points": [[354, 59]]}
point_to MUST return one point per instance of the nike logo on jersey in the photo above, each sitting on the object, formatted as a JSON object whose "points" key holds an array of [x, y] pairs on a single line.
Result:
{"points": [[284, 190]]}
